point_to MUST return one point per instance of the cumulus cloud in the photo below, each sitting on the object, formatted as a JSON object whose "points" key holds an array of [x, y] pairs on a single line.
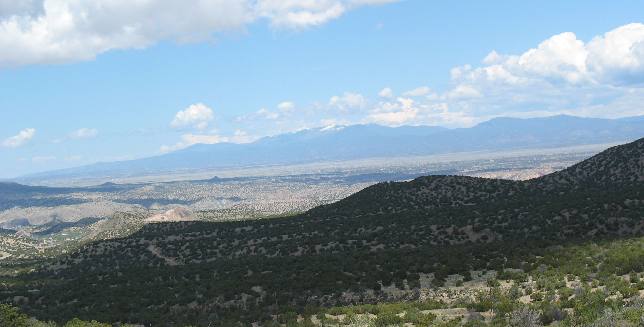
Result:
{"points": [[20, 139], [55, 31], [286, 106], [197, 115], [79, 134], [603, 77], [348, 100], [562, 56], [397, 112], [266, 114], [299, 14], [394, 118], [615, 58], [386, 93], [296, 14], [284, 110], [190, 139], [423, 111], [618, 56], [463, 91]]}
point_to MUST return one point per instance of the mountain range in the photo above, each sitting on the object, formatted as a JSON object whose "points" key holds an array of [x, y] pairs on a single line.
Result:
{"points": [[372, 141]]}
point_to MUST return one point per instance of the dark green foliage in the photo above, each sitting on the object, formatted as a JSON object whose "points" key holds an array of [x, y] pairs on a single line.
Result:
{"points": [[11, 317], [388, 234], [387, 319]]}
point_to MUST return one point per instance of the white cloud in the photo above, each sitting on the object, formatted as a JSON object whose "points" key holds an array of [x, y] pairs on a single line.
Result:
{"points": [[55, 31], [203, 139], [423, 111], [418, 92], [492, 58], [331, 123], [299, 14], [618, 56], [603, 77], [562, 56], [399, 112], [266, 114], [263, 114], [241, 136], [615, 58], [286, 106], [79, 134], [284, 110], [459, 71], [394, 118], [197, 115], [463, 91], [386, 93], [348, 100], [84, 133], [20, 139], [191, 139]]}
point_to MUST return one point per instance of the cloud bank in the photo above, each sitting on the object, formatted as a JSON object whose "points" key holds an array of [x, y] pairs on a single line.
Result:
{"points": [[615, 58], [20, 139], [197, 115], [59, 31]]}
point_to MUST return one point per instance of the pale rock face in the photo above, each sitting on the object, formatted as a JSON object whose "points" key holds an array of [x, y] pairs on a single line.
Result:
{"points": [[175, 214]]}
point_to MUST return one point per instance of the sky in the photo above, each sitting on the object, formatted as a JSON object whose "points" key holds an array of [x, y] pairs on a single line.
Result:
{"points": [[106, 80]]}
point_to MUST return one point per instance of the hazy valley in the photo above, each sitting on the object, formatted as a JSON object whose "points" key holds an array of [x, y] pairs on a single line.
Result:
{"points": [[57, 218]]}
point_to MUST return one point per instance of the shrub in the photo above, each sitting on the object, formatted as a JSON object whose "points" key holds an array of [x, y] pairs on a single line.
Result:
{"points": [[11, 317], [552, 313], [524, 317], [418, 318], [388, 319], [493, 283], [287, 317], [536, 296]]}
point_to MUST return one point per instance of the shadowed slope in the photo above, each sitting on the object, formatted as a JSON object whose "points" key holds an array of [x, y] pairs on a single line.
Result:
{"points": [[388, 234]]}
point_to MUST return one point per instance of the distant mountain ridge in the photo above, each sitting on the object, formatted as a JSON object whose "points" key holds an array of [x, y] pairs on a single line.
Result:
{"points": [[371, 141]]}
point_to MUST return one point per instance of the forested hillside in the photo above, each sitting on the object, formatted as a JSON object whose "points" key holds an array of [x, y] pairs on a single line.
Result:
{"points": [[554, 242]]}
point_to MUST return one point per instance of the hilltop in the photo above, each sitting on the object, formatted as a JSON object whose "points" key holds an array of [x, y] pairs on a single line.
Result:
{"points": [[620, 166]]}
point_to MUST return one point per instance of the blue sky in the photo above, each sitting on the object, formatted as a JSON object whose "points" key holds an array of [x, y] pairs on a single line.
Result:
{"points": [[84, 83]]}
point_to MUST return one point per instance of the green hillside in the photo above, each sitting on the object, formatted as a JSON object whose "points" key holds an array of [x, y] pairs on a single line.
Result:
{"points": [[569, 245]]}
